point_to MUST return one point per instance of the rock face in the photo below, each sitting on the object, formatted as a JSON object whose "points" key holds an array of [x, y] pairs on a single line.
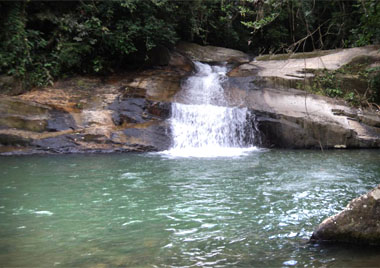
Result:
{"points": [[212, 54], [291, 118], [358, 223], [286, 72], [128, 112], [124, 113]]}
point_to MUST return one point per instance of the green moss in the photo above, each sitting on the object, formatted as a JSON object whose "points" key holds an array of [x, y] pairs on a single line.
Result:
{"points": [[355, 82]]}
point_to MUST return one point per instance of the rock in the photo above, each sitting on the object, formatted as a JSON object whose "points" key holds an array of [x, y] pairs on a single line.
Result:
{"points": [[138, 110], [10, 85], [181, 62], [124, 113], [129, 111], [15, 113], [162, 56], [59, 144], [290, 69], [291, 118], [60, 120], [154, 84], [150, 137], [211, 54], [358, 223]]}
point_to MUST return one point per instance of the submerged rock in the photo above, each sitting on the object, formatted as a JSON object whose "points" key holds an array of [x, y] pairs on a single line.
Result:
{"points": [[358, 223]]}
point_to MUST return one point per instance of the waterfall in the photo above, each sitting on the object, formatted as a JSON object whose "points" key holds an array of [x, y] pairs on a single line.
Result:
{"points": [[202, 124]]}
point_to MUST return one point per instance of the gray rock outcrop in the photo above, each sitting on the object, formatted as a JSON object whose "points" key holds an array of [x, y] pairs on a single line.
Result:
{"points": [[358, 223], [292, 118]]}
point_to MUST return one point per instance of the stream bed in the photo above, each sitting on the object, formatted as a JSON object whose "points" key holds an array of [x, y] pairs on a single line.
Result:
{"points": [[154, 210]]}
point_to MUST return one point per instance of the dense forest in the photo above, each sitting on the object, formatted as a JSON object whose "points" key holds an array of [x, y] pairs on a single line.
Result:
{"points": [[42, 41]]}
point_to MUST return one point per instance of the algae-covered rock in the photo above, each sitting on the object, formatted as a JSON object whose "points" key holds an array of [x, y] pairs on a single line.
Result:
{"points": [[358, 223]]}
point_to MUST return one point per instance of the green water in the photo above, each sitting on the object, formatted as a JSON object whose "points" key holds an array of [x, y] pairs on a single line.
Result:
{"points": [[148, 210]]}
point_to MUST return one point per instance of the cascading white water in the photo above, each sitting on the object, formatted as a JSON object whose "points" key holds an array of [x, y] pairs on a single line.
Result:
{"points": [[208, 128]]}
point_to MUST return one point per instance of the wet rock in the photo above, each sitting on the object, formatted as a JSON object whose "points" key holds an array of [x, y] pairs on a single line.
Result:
{"points": [[358, 223], [13, 139], [59, 144], [138, 110], [60, 120], [122, 113], [211, 54], [154, 137]]}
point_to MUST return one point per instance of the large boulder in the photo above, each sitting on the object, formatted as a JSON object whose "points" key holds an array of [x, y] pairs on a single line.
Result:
{"points": [[358, 223], [211, 54]]}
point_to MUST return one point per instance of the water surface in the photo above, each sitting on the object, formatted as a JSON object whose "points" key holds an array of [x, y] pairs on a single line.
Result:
{"points": [[151, 210]]}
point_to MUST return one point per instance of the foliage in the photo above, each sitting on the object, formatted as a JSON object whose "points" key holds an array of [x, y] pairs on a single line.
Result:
{"points": [[357, 83], [42, 40], [368, 30]]}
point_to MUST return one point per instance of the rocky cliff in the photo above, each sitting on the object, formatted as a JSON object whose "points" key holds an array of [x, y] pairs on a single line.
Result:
{"points": [[129, 112]]}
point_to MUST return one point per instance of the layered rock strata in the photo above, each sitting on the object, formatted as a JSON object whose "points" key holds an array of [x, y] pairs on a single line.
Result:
{"points": [[126, 112]]}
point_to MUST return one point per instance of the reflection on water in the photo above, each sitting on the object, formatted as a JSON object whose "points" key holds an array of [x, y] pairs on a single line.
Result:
{"points": [[147, 210]]}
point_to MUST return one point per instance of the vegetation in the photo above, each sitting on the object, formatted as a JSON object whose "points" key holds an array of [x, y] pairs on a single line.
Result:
{"points": [[357, 83], [41, 41]]}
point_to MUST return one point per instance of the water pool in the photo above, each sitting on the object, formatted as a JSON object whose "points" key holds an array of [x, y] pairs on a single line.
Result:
{"points": [[151, 210]]}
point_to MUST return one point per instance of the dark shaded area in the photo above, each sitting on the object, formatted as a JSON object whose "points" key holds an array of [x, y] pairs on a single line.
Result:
{"points": [[41, 41]]}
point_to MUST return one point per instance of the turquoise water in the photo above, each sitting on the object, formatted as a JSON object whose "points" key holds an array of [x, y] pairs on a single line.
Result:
{"points": [[149, 210]]}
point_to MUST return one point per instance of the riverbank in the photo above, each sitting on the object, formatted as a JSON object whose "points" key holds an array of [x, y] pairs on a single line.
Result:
{"points": [[129, 112]]}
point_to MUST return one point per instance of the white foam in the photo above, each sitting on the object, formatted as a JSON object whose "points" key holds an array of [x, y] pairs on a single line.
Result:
{"points": [[131, 222], [209, 152], [44, 212]]}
